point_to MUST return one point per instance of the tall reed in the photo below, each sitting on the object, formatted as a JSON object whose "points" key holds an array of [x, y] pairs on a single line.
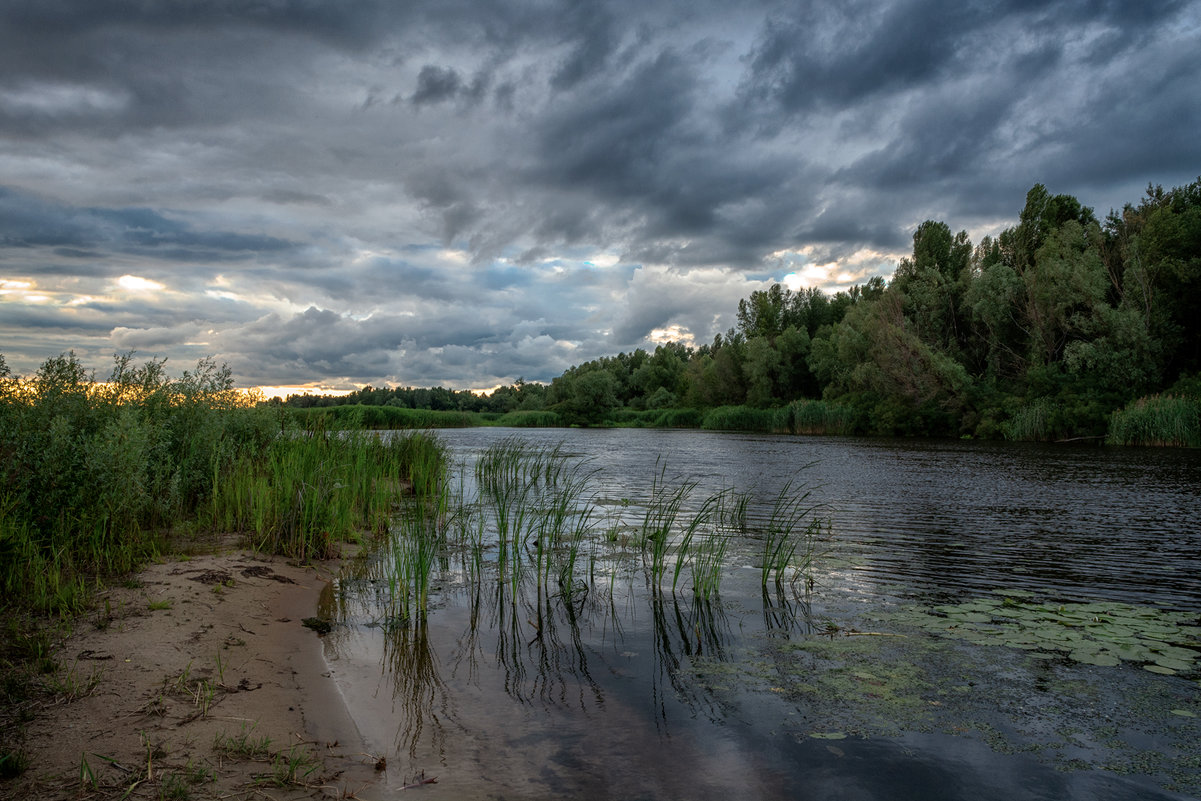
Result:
{"points": [[818, 417], [1157, 420], [742, 418], [311, 489], [660, 519], [1032, 421], [791, 534]]}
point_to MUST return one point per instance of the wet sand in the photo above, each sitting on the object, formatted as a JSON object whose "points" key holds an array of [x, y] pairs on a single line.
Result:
{"points": [[167, 683]]}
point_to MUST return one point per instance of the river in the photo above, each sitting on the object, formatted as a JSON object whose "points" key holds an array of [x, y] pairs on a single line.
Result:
{"points": [[906, 664]]}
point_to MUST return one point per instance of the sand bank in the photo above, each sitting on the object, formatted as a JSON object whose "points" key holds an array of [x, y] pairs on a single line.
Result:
{"points": [[198, 680]]}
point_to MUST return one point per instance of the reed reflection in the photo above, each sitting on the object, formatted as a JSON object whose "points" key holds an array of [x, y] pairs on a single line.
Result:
{"points": [[533, 589], [421, 700]]}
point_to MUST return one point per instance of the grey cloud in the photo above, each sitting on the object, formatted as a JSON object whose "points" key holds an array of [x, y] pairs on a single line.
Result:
{"points": [[248, 148], [27, 221], [435, 84]]}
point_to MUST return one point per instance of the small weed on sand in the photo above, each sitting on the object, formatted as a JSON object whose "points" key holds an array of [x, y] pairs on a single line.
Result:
{"points": [[243, 745]]}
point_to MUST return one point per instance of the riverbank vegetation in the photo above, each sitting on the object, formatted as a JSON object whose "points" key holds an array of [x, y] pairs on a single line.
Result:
{"points": [[97, 477], [1063, 326]]}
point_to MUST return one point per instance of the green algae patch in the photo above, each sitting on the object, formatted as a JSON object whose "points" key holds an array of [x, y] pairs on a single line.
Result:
{"points": [[1103, 634]]}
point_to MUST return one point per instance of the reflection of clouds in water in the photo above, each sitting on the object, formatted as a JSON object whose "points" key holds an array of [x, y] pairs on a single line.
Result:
{"points": [[516, 687]]}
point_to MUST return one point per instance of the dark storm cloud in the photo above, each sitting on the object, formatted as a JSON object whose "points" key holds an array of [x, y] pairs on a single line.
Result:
{"points": [[27, 221], [457, 191]]}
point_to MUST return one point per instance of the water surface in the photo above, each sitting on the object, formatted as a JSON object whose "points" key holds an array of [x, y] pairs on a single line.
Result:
{"points": [[519, 690]]}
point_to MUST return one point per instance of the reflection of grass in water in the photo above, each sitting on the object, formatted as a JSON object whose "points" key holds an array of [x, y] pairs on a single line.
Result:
{"points": [[419, 693], [536, 509]]}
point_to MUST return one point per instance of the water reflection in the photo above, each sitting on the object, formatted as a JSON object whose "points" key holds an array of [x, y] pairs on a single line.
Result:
{"points": [[421, 700], [549, 662]]}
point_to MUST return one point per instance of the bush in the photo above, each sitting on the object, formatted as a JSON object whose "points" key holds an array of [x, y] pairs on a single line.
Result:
{"points": [[94, 474]]}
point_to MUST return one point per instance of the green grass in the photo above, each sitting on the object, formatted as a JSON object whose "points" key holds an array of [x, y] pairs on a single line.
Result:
{"points": [[383, 417], [1031, 422], [529, 419], [818, 417], [292, 768], [743, 418], [791, 535], [308, 491], [1158, 420], [245, 744]]}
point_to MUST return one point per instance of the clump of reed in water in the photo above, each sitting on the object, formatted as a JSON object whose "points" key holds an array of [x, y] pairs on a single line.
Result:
{"points": [[791, 534]]}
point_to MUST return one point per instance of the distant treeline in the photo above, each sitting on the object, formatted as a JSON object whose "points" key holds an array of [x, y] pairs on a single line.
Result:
{"points": [[522, 395], [1063, 326]]}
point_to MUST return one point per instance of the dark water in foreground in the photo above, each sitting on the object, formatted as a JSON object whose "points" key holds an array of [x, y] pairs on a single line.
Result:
{"points": [[512, 690]]}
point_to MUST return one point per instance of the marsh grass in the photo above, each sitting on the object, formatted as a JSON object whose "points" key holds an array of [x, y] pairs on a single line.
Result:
{"points": [[1162, 420], [791, 535], [661, 519], [1032, 422], [357, 416], [310, 490], [530, 419], [818, 417], [743, 418]]}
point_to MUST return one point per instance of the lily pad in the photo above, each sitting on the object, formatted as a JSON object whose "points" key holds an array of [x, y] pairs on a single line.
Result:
{"points": [[1177, 665], [1160, 669], [1098, 659]]}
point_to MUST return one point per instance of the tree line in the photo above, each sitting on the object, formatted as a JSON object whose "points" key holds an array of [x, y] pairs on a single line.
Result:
{"points": [[1041, 332]]}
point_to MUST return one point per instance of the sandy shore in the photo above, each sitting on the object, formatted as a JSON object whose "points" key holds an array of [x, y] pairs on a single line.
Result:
{"points": [[198, 680]]}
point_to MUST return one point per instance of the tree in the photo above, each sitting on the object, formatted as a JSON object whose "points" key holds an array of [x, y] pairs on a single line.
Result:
{"points": [[584, 397]]}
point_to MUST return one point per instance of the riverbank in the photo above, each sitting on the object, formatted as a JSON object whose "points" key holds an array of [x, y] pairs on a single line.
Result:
{"points": [[197, 679]]}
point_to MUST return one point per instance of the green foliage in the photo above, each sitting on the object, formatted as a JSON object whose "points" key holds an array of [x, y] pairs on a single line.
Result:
{"points": [[679, 418], [584, 397], [310, 490], [1032, 422], [94, 474]]}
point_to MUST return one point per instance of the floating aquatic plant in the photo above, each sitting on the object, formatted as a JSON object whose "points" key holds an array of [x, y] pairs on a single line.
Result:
{"points": [[1097, 633]]}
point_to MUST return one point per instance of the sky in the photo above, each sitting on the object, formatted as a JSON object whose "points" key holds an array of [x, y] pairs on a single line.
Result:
{"points": [[461, 193]]}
